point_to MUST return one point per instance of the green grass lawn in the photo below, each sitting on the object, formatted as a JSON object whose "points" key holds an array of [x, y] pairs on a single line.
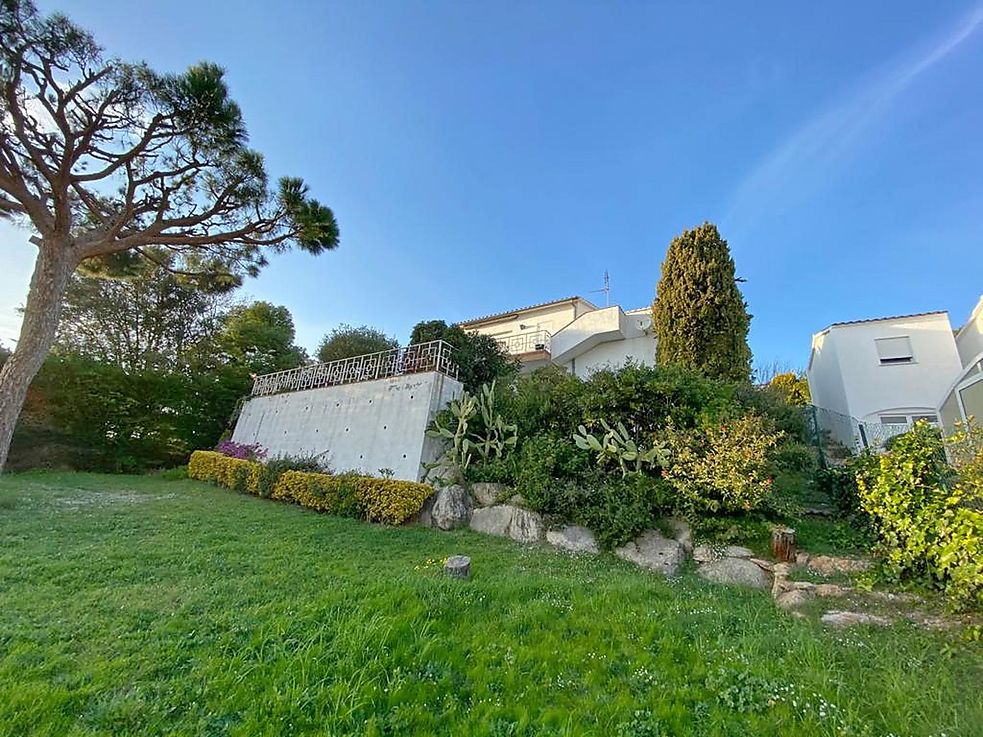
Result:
{"points": [[139, 606]]}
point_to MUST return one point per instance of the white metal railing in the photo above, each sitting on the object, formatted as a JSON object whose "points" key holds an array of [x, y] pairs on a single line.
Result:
{"points": [[526, 342], [411, 359]]}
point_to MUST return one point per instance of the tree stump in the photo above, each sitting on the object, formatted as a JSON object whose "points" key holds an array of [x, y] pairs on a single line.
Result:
{"points": [[783, 544], [458, 566]]}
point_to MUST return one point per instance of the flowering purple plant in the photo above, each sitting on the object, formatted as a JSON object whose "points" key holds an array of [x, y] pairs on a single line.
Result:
{"points": [[244, 451]]}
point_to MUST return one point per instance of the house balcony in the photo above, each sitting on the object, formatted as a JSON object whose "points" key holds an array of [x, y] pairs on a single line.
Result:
{"points": [[532, 348]]}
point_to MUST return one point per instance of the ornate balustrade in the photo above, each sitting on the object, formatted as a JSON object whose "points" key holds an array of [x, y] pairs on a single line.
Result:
{"points": [[538, 340], [411, 359]]}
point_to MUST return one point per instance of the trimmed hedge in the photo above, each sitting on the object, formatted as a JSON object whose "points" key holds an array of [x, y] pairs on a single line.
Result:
{"points": [[389, 501]]}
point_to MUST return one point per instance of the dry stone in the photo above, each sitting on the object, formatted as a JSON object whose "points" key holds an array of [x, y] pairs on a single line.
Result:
{"points": [[792, 599], [425, 515], [736, 551], [492, 520], [739, 571], [655, 552], [504, 520], [830, 564], [704, 554], [451, 508], [487, 494], [682, 533], [573, 539], [836, 618], [527, 526]]}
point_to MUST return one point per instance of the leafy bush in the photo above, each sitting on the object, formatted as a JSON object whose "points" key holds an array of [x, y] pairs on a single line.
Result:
{"points": [[839, 485], [385, 500], [618, 509], [645, 398], [495, 470], [117, 421], [549, 400], [177, 473], [926, 514], [721, 467], [273, 469], [546, 467]]}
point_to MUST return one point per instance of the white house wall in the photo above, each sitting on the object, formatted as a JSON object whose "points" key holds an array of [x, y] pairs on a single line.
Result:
{"points": [[871, 388], [969, 340], [825, 377], [364, 426], [614, 355], [551, 318]]}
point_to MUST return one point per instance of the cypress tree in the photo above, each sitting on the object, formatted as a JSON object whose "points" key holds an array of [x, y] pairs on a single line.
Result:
{"points": [[699, 314]]}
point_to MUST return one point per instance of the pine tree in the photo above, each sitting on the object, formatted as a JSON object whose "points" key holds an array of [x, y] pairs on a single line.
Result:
{"points": [[700, 317]]}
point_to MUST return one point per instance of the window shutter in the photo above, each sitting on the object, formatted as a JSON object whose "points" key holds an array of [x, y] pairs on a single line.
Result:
{"points": [[894, 350]]}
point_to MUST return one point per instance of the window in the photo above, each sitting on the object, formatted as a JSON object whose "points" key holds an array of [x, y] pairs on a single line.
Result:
{"points": [[894, 350], [894, 420], [928, 418]]}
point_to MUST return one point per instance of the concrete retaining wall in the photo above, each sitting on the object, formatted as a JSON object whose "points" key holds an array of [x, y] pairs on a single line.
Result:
{"points": [[364, 426]]}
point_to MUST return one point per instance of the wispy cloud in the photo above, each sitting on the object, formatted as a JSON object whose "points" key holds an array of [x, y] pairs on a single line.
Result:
{"points": [[800, 164]]}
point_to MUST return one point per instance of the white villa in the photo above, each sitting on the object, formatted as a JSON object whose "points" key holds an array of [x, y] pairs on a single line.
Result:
{"points": [[572, 333], [883, 374]]}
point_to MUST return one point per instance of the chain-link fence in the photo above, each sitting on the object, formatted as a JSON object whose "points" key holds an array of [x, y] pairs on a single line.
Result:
{"points": [[837, 436]]}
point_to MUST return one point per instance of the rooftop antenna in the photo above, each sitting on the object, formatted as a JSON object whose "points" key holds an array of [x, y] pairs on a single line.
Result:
{"points": [[606, 289]]}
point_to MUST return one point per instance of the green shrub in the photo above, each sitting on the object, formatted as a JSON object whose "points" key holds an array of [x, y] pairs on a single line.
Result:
{"points": [[547, 465], [839, 485], [618, 508], [549, 400], [174, 474], [721, 467], [276, 467], [645, 398], [494, 470], [926, 514]]}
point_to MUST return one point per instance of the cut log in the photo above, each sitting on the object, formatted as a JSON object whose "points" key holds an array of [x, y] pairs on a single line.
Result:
{"points": [[458, 566], [783, 544]]}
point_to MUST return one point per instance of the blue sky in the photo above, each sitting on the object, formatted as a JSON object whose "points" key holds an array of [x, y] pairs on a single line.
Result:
{"points": [[487, 156]]}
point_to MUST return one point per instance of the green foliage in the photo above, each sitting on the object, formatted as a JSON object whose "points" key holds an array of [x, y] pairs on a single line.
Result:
{"points": [[839, 485], [793, 387], [617, 446], [260, 336], [346, 341], [548, 466], [644, 398], [273, 469], [121, 421], [479, 359], [618, 509], [475, 430], [152, 320], [177, 473], [548, 400], [926, 514], [721, 467], [699, 315]]}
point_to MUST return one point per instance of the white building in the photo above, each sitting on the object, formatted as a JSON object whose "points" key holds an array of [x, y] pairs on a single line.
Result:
{"points": [[572, 333], [964, 397], [882, 375]]}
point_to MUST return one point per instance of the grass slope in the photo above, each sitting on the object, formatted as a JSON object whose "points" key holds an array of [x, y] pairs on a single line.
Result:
{"points": [[138, 606]]}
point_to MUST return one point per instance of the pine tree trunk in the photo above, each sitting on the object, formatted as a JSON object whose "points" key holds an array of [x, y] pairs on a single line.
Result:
{"points": [[52, 269]]}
